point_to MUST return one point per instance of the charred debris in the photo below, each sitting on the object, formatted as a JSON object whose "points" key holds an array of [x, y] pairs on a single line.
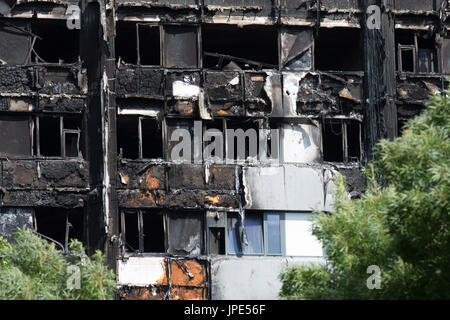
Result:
{"points": [[86, 116]]}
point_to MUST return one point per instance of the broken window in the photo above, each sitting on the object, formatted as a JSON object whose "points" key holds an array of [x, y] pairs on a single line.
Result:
{"points": [[143, 231], [60, 225], [185, 232], [296, 48], [138, 43], [180, 46], [57, 43], [139, 137], [415, 52], [232, 47], [346, 46], [59, 136], [16, 136], [341, 140], [147, 230]]}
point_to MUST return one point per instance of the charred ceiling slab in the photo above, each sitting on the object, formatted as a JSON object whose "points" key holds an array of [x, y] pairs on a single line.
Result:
{"points": [[140, 82], [141, 198], [186, 177], [195, 199], [339, 4], [417, 5], [44, 198], [194, 177], [143, 11], [141, 175], [238, 11], [61, 104], [163, 4], [417, 89], [294, 11], [42, 174], [16, 79]]}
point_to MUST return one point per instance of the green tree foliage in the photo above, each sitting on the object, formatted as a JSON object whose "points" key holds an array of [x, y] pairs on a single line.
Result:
{"points": [[32, 268], [402, 227]]}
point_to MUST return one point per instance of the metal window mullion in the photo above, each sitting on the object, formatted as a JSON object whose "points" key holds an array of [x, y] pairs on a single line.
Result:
{"points": [[283, 233], [265, 235], [344, 140], [66, 238], [141, 231], [416, 54], [123, 233], [138, 50], [140, 136], [226, 234], [38, 137], [62, 138]]}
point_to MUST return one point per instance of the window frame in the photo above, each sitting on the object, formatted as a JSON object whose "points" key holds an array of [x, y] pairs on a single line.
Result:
{"points": [[344, 122], [264, 234]]}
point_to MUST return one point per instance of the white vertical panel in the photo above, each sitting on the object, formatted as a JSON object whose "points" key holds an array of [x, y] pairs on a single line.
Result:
{"points": [[299, 238]]}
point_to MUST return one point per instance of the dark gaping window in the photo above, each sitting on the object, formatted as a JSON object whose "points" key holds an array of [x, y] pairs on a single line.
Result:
{"points": [[341, 140], [139, 137]]}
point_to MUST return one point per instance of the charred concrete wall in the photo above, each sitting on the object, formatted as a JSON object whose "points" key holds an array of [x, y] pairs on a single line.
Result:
{"points": [[89, 116]]}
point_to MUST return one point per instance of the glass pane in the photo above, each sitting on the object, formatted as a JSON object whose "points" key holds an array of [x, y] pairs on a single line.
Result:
{"points": [[254, 230], [185, 233], [253, 225], [273, 233]]}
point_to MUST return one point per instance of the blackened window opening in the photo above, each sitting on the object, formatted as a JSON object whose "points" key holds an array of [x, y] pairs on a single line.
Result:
{"points": [[50, 136], [255, 43], [333, 149], [353, 141], [58, 42], [153, 231], [128, 137], [126, 42], [338, 49], [152, 143], [149, 44]]}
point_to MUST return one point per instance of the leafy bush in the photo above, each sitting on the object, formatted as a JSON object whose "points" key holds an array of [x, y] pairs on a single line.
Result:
{"points": [[32, 268], [402, 227]]}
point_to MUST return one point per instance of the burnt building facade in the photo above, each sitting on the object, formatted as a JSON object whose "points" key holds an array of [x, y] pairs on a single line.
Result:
{"points": [[92, 94]]}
